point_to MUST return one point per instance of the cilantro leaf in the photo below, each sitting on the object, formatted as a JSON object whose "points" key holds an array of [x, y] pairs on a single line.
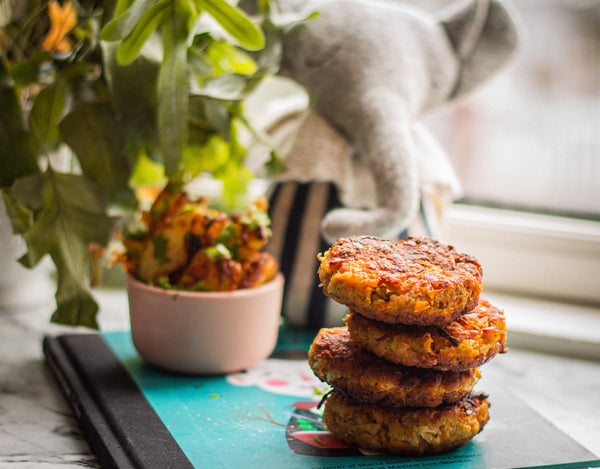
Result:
{"points": [[217, 252], [161, 248]]}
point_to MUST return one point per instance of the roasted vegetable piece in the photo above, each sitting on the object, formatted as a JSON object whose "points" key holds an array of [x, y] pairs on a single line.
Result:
{"points": [[259, 271], [211, 272], [171, 201]]}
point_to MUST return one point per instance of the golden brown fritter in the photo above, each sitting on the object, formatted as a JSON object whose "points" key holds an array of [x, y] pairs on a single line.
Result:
{"points": [[361, 375], [416, 281], [406, 430], [470, 341]]}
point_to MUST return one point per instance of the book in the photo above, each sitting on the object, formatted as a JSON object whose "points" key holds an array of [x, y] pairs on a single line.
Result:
{"points": [[135, 415]]}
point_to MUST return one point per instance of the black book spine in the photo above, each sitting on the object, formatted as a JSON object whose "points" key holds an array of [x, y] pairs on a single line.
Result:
{"points": [[94, 427], [119, 424]]}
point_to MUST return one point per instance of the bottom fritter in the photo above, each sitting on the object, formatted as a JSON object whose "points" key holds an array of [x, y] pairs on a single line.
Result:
{"points": [[406, 430]]}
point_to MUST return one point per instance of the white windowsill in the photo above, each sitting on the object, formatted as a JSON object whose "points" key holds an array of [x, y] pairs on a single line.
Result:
{"points": [[558, 328]]}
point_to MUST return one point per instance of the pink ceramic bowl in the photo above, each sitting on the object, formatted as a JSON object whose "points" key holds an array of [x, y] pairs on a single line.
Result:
{"points": [[204, 332]]}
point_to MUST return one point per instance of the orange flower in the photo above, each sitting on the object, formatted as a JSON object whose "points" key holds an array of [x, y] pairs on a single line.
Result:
{"points": [[62, 20]]}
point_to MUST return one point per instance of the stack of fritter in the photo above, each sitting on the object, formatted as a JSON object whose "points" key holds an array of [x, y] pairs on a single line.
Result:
{"points": [[403, 368]]}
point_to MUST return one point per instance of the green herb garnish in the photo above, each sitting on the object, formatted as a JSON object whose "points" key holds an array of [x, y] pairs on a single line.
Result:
{"points": [[161, 247], [217, 252]]}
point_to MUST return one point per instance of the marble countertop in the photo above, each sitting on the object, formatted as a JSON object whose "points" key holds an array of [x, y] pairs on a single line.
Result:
{"points": [[38, 430]]}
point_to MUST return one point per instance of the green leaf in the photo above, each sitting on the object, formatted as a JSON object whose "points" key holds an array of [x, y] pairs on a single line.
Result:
{"points": [[173, 105], [146, 172], [198, 64], [236, 149], [235, 22], [20, 217], [227, 87], [45, 114], [121, 27], [30, 71], [227, 58], [217, 114], [275, 164], [98, 139], [129, 49], [208, 157], [235, 179], [71, 216], [122, 6], [133, 93], [28, 189], [18, 150], [282, 20]]}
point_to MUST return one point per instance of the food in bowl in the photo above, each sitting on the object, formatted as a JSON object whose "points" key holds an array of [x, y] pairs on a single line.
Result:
{"points": [[184, 244], [204, 296]]}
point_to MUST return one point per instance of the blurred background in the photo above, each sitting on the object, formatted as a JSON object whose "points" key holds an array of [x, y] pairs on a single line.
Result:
{"points": [[530, 138], [526, 149]]}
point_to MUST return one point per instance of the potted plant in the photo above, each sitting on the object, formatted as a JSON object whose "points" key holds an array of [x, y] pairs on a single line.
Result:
{"points": [[101, 100]]}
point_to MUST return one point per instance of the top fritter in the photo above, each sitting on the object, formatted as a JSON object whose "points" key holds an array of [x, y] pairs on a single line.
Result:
{"points": [[416, 281]]}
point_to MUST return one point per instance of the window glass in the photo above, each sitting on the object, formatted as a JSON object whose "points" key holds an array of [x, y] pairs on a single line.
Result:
{"points": [[529, 139]]}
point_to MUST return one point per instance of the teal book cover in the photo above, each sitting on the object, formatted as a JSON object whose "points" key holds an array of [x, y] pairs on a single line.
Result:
{"points": [[269, 416]]}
